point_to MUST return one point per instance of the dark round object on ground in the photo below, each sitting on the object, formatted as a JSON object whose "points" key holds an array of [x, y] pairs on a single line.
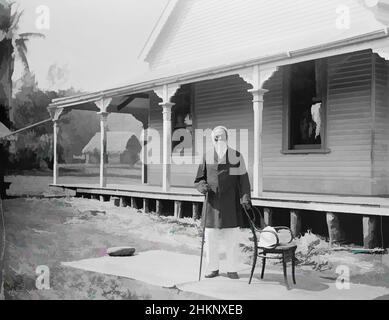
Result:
{"points": [[121, 251]]}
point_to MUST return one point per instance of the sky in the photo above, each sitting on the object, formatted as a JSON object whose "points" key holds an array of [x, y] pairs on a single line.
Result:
{"points": [[89, 44]]}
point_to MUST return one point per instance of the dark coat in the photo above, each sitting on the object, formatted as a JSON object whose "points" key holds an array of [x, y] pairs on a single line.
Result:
{"points": [[230, 186]]}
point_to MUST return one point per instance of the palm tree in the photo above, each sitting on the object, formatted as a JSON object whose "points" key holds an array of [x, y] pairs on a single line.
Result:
{"points": [[11, 42]]}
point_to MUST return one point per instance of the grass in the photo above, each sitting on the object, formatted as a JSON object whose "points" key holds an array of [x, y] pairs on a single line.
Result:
{"points": [[50, 231]]}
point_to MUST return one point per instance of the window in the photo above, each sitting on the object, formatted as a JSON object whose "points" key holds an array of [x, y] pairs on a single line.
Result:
{"points": [[182, 121], [305, 107]]}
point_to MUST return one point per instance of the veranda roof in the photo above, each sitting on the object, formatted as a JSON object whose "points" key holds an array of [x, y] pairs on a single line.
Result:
{"points": [[320, 38]]}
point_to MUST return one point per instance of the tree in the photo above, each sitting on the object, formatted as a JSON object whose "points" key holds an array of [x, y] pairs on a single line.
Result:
{"points": [[10, 42], [7, 23], [30, 105], [32, 147]]}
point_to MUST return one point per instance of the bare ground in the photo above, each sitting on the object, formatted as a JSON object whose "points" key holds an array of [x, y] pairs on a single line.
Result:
{"points": [[48, 231]]}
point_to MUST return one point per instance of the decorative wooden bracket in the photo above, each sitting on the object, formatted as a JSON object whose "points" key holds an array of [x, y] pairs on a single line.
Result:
{"points": [[256, 76], [103, 104], [383, 52], [166, 92], [55, 113]]}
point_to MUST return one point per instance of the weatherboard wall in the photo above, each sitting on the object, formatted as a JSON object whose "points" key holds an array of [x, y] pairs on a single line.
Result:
{"points": [[346, 169], [380, 154]]}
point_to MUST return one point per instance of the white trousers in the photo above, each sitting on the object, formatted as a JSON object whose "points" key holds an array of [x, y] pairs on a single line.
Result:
{"points": [[213, 239]]}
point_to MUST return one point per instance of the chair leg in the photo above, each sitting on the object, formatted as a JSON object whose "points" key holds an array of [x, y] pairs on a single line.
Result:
{"points": [[293, 268], [263, 266], [284, 268]]}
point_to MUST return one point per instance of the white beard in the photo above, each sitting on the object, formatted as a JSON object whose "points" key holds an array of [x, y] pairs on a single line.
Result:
{"points": [[220, 148]]}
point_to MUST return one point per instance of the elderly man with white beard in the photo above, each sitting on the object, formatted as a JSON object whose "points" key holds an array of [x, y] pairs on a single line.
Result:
{"points": [[223, 176]]}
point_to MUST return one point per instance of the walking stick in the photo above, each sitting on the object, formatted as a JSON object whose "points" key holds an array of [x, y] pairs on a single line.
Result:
{"points": [[204, 213]]}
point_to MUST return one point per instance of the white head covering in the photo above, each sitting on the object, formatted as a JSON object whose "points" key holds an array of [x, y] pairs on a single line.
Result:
{"points": [[218, 128]]}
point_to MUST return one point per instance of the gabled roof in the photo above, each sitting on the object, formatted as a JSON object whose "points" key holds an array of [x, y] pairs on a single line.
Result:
{"points": [[181, 47], [203, 29], [164, 17], [116, 142]]}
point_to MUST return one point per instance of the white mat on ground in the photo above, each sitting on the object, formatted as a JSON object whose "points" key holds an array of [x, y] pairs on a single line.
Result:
{"points": [[170, 269], [273, 288], [156, 267]]}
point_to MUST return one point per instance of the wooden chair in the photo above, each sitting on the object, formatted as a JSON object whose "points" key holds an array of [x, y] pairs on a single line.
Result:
{"points": [[284, 250]]}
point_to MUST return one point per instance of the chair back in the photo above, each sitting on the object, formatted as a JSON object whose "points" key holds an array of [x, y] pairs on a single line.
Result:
{"points": [[269, 237]]}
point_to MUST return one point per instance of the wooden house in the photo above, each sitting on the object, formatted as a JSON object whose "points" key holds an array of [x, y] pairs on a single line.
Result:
{"points": [[304, 83]]}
